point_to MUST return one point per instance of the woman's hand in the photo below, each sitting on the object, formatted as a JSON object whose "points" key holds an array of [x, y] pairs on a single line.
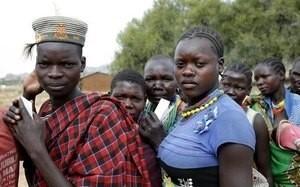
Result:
{"points": [[152, 129]]}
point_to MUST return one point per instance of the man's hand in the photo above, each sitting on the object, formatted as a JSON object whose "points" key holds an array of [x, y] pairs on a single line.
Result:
{"points": [[152, 129], [29, 132]]}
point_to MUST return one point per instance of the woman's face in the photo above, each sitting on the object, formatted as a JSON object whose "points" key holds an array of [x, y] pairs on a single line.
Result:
{"points": [[133, 97], [235, 85], [197, 68], [267, 80]]}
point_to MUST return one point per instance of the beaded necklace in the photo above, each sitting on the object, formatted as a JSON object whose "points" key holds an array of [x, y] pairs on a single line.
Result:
{"points": [[202, 105], [276, 109]]}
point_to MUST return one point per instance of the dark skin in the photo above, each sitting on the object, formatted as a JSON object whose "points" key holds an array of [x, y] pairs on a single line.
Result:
{"points": [[271, 84], [160, 83], [160, 80], [197, 73], [58, 70], [295, 78], [237, 86], [134, 98], [197, 70], [132, 95]]}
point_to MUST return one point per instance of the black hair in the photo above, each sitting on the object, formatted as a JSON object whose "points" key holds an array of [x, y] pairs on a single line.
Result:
{"points": [[243, 69], [162, 59], [29, 47], [208, 33], [128, 75], [274, 63]]}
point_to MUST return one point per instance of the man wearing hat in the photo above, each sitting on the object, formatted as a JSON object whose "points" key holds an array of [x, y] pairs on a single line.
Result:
{"points": [[76, 139]]}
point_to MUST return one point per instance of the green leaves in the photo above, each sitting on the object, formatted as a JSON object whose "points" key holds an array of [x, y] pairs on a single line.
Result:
{"points": [[251, 30]]}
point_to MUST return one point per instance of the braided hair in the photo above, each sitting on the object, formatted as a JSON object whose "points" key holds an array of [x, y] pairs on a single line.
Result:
{"points": [[274, 63], [243, 69], [128, 75], [208, 33]]}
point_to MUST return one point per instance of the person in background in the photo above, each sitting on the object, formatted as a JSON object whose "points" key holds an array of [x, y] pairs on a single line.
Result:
{"points": [[212, 144], [76, 139], [295, 77], [237, 83], [160, 83], [129, 87], [9, 156], [277, 104]]}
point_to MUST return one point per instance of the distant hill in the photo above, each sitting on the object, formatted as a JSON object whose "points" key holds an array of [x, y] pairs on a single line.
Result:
{"points": [[12, 79]]}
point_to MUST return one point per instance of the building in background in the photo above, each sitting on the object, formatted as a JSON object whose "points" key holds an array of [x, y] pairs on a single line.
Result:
{"points": [[96, 81]]}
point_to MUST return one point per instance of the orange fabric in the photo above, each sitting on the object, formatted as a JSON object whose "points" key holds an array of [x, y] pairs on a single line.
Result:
{"points": [[9, 160]]}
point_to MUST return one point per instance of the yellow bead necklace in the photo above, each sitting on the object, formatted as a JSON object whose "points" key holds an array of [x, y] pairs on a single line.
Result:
{"points": [[188, 113]]}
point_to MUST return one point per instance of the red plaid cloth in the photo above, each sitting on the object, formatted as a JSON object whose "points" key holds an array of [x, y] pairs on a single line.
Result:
{"points": [[9, 157], [93, 142]]}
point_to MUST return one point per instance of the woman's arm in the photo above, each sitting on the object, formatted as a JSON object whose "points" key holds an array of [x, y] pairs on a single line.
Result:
{"points": [[235, 165], [262, 151]]}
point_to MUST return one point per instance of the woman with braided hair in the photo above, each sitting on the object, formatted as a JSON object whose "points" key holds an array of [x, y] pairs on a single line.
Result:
{"points": [[212, 143], [237, 83], [278, 104]]}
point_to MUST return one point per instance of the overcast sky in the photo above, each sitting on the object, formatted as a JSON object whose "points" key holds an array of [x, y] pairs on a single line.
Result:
{"points": [[106, 18]]}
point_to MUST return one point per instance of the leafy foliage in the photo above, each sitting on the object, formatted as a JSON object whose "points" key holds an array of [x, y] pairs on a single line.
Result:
{"points": [[251, 30]]}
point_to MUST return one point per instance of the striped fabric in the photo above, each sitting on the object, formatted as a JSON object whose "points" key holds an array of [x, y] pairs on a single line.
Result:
{"points": [[59, 28]]}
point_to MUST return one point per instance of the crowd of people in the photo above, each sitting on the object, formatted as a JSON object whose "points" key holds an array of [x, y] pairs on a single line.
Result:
{"points": [[214, 132]]}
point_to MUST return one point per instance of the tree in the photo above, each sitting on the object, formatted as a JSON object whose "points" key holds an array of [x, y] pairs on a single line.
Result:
{"points": [[251, 30], [155, 34]]}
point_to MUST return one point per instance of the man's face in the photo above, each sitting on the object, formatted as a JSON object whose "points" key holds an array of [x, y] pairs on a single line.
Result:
{"points": [[295, 78], [160, 81], [58, 67]]}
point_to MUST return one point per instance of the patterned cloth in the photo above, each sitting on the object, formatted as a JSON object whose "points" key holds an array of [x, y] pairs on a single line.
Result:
{"points": [[93, 142], [263, 105], [285, 164], [9, 157], [60, 29]]}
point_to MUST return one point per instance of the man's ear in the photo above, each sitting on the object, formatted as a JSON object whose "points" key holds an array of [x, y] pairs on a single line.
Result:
{"points": [[221, 65], [83, 63]]}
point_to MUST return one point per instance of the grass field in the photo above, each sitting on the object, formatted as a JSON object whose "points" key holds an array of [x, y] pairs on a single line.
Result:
{"points": [[9, 93]]}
